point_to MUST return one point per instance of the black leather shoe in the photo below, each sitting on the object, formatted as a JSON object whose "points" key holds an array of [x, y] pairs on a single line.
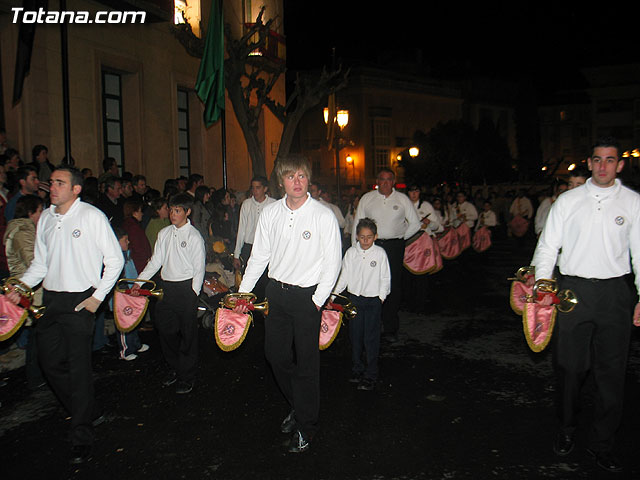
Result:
{"points": [[606, 461], [170, 380], [184, 387], [289, 423], [80, 454], [563, 444], [298, 443]]}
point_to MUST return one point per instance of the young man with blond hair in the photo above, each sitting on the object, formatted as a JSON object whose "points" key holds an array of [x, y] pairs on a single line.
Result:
{"points": [[299, 240]]}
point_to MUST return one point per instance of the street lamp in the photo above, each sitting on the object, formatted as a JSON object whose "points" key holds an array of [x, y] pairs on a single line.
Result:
{"points": [[414, 152], [342, 120]]}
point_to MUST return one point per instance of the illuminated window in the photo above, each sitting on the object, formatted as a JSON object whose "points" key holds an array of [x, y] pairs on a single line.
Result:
{"points": [[188, 11]]}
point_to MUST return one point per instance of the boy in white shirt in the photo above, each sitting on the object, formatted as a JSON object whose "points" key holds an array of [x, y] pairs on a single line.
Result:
{"points": [[367, 277], [180, 252]]}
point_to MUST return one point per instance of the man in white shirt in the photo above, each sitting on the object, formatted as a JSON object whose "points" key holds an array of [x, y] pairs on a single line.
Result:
{"points": [[299, 240], [250, 210], [463, 211], [78, 260], [545, 206], [578, 176], [397, 220], [597, 226], [318, 193]]}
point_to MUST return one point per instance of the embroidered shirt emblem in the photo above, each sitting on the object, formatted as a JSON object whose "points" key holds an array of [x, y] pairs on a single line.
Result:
{"points": [[306, 234], [373, 263], [619, 220], [396, 207], [183, 244], [76, 233]]}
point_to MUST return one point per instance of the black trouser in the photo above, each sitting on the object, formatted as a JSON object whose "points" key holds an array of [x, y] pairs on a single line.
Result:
{"points": [[64, 340], [594, 338], [177, 324], [364, 331], [292, 332], [391, 305]]}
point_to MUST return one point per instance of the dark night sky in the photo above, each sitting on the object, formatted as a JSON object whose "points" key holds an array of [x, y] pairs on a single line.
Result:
{"points": [[549, 39]]}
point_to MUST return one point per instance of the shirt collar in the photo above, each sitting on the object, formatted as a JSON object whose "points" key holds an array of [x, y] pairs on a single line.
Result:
{"points": [[74, 206], [307, 202], [182, 227], [253, 199], [601, 192]]}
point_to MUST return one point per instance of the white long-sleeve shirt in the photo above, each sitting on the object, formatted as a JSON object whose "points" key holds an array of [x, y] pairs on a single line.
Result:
{"points": [[302, 247], [487, 219], [465, 208], [180, 252], [71, 250], [365, 272], [542, 213], [336, 211], [522, 206], [597, 228], [395, 215], [425, 209], [250, 210]]}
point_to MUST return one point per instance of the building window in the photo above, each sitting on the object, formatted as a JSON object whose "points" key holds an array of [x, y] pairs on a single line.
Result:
{"points": [[112, 117], [381, 159], [184, 154], [381, 143]]}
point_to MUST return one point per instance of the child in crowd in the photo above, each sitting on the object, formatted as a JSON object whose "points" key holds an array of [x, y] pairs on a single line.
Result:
{"points": [[367, 277], [487, 217], [129, 343], [180, 253]]}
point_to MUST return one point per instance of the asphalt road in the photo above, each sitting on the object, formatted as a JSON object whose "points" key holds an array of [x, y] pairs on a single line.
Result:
{"points": [[460, 396]]}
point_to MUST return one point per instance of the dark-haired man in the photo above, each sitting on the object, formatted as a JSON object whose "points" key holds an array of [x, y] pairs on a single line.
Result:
{"points": [[597, 226], [40, 161], [397, 220], [78, 260], [249, 212], [108, 201], [28, 182], [578, 176]]}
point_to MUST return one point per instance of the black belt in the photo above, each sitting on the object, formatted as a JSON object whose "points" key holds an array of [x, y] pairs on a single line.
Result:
{"points": [[287, 286], [594, 280], [388, 240]]}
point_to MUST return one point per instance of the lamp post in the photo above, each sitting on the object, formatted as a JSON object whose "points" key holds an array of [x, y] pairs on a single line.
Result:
{"points": [[349, 160], [341, 118]]}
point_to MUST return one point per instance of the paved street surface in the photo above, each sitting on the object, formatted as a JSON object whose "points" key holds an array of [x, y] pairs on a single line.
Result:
{"points": [[461, 397]]}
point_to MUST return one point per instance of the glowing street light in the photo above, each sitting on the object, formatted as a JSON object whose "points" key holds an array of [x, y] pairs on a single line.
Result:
{"points": [[414, 152]]}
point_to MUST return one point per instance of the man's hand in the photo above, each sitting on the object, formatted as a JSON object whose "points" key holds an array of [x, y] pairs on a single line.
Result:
{"points": [[13, 296], [636, 315], [134, 291], [545, 301], [237, 264], [91, 304], [242, 306]]}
